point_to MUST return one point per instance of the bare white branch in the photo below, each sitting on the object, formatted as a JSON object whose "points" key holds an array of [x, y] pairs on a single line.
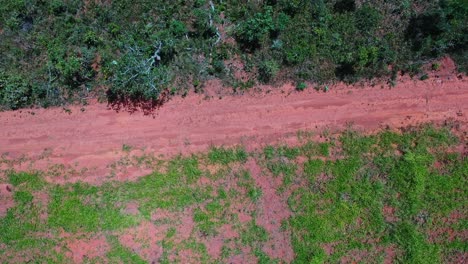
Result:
{"points": [[155, 56], [218, 34]]}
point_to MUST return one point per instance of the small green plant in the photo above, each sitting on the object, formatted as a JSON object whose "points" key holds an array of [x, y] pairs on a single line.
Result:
{"points": [[171, 232], [255, 194], [126, 148], [424, 77], [267, 70], [301, 86]]}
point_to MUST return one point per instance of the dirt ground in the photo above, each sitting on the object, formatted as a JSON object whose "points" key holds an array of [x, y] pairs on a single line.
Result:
{"points": [[94, 137]]}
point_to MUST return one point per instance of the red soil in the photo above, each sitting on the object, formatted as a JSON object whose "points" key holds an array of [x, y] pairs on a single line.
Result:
{"points": [[145, 240], [185, 223], [131, 208], [214, 244], [87, 249], [246, 256], [94, 138], [273, 210]]}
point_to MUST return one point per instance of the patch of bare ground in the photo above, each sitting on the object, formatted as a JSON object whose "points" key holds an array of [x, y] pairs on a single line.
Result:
{"points": [[183, 222], [87, 249], [272, 210], [127, 166], [389, 214], [131, 208], [214, 244], [390, 254], [245, 256], [185, 256], [145, 240]]}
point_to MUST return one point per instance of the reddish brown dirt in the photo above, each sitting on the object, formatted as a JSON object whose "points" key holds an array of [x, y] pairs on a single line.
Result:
{"points": [[185, 256], [273, 210], [94, 138], [389, 214], [245, 256], [214, 244], [184, 221], [144, 240], [87, 249], [131, 208]]}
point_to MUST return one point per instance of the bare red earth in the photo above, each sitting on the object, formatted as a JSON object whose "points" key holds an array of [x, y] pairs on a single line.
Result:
{"points": [[94, 138], [273, 210], [81, 250], [144, 240]]}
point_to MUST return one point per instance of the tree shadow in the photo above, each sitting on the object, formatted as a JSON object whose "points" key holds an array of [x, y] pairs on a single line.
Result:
{"points": [[132, 105]]}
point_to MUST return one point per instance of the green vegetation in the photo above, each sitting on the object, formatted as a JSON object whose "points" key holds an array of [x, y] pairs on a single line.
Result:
{"points": [[398, 195], [60, 51], [225, 156], [301, 86], [384, 192], [254, 234], [122, 254]]}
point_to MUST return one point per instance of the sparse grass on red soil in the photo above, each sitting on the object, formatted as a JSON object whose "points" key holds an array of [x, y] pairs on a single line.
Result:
{"points": [[387, 197]]}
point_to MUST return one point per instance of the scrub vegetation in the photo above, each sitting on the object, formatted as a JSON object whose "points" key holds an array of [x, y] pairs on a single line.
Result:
{"points": [[61, 51]]}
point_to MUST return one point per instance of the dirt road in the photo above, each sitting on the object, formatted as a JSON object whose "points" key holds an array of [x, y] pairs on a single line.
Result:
{"points": [[93, 137]]}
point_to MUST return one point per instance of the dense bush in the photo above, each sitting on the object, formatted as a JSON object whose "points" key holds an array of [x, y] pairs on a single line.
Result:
{"points": [[15, 92], [59, 51]]}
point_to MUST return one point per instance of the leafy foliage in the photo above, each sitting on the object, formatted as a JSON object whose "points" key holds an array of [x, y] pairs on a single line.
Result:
{"points": [[60, 51]]}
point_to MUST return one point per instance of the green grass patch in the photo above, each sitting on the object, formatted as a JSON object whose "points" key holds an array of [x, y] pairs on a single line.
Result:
{"points": [[313, 168], [225, 156], [271, 152], [31, 181], [77, 211], [388, 169], [253, 234], [314, 149]]}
